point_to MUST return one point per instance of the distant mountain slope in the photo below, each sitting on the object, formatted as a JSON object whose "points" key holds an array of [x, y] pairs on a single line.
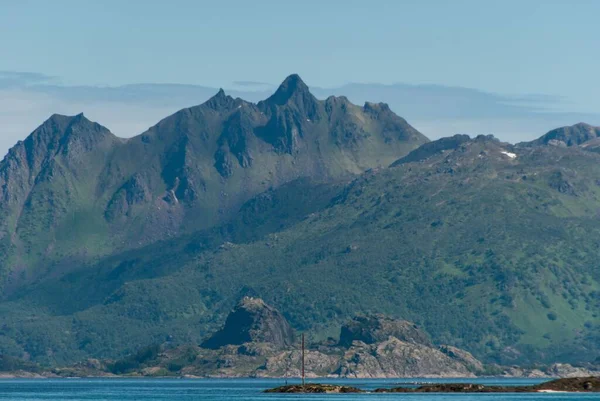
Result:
{"points": [[72, 191], [573, 135], [487, 246]]}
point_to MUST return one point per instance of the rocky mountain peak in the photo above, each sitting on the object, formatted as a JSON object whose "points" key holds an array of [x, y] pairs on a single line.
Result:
{"points": [[253, 321], [220, 101], [59, 126], [291, 87], [290, 109], [59, 133], [55, 126], [292, 95]]}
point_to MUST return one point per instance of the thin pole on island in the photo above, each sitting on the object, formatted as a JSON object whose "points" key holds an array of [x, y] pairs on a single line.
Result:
{"points": [[302, 359]]}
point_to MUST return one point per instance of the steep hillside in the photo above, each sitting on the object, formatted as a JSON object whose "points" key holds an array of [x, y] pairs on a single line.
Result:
{"points": [[48, 186], [487, 246], [72, 191]]}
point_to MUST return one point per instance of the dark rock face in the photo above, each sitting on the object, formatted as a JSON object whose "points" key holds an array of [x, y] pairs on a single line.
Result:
{"points": [[378, 328], [253, 321]]}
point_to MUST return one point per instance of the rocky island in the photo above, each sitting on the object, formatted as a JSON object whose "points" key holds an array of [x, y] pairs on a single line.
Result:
{"points": [[256, 340], [582, 384]]}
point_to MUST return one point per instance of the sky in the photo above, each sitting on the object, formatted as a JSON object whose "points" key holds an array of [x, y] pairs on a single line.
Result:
{"points": [[61, 54]]}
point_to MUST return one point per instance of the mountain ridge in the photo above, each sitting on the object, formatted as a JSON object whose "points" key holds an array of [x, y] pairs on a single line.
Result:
{"points": [[190, 171]]}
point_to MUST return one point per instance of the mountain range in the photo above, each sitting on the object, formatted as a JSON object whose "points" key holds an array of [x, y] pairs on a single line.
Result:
{"points": [[72, 190], [322, 208]]}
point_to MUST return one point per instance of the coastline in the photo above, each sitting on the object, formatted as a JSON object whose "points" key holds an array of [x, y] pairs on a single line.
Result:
{"points": [[100, 375]]}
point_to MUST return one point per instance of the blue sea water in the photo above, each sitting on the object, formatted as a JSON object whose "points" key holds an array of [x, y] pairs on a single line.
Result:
{"points": [[238, 389]]}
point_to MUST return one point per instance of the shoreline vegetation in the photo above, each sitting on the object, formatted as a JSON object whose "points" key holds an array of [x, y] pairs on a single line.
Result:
{"points": [[257, 341], [579, 384]]}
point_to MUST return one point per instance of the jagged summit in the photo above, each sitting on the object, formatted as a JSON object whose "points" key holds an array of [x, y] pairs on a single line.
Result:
{"points": [[220, 101], [59, 129], [62, 120], [292, 86]]}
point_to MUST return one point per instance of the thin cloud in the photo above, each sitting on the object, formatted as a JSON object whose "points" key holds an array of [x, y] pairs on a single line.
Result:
{"points": [[18, 79], [251, 83]]}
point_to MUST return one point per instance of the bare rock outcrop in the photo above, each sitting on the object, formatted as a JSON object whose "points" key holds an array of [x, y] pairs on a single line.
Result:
{"points": [[397, 358], [464, 357], [376, 328], [253, 321]]}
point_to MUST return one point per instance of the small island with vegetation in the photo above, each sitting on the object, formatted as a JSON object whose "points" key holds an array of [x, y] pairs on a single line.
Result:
{"points": [[575, 385]]}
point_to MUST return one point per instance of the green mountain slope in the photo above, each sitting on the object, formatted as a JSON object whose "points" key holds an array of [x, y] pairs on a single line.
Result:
{"points": [[73, 192], [487, 246]]}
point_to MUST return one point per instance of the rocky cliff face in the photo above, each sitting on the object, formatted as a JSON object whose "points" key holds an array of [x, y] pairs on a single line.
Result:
{"points": [[380, 346], [396, 358], [253, 321], [462, 356]]}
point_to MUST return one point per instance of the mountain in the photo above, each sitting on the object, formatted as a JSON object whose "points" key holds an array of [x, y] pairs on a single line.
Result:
{"points": [[574, 135], [321, 208], [486, 246], [73, 192]]}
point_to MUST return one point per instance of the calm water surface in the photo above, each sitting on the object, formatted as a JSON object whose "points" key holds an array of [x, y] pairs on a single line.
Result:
{"points": [[234, 389]]}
